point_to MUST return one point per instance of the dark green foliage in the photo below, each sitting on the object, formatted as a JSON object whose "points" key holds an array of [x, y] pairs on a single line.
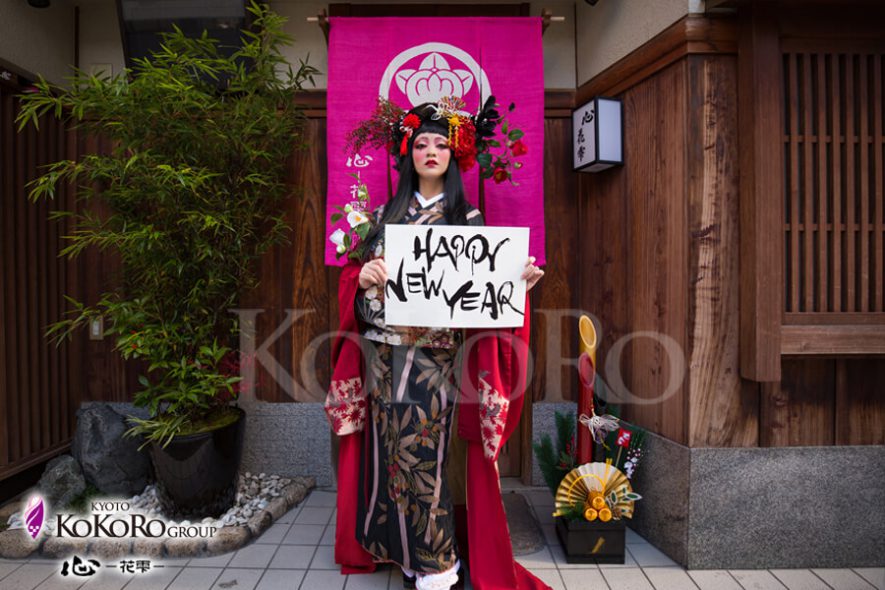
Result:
{"points": [[80, 504], [556, 463], [195, 182]]}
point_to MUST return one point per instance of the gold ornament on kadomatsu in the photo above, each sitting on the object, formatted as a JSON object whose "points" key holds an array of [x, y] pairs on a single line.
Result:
{"points": [[596, 484]]}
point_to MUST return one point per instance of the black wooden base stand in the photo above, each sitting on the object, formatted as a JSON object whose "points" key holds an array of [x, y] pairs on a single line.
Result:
{"points": [[592, 542]]}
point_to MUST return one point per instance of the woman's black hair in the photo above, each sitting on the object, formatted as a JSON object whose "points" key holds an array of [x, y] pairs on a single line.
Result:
{"points": [[454, 202]]}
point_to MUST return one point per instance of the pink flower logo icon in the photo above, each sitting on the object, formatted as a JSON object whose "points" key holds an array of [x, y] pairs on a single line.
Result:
{"points": [[433, 80], [34, 515]]}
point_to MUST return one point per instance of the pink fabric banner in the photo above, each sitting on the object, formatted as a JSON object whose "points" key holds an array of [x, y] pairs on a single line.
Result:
{"points": [[415, 60]]}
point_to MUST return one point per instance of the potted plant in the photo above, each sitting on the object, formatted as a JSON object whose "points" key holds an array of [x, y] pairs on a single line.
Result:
{"points": [[195, 181]]}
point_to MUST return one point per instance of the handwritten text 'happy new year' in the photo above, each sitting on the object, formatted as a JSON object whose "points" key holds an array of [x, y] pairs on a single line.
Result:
{"points": [[437, 252]]}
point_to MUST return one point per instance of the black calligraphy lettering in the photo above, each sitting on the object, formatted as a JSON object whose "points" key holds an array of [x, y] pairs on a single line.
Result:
{"points": [[475, 243], [490, 301], [415, 282], [442, 249], [504, 299], [495, 301], [418, 250], [464, 295], [396, 287], [494, 254], [458, 246], [477, 249], [433, 287]]}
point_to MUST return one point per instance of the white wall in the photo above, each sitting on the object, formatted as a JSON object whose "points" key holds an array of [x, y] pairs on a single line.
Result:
{"points": [[41, 40], [100, 37], [38, 40], [101, 46], [613, 29]]}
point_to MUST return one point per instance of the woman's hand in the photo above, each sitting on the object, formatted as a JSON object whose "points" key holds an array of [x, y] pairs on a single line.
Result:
{"points": [[373, 272], [531, 274]]}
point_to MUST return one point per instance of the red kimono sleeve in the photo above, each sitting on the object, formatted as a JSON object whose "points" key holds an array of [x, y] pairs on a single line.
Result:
{"points": [[346, 409], [493, 388]]}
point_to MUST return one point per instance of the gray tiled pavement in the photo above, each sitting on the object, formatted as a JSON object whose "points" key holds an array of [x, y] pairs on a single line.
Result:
{"points": [[296, 554]]}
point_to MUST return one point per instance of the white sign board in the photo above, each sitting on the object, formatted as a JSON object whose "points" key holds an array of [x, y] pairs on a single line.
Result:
{"points": [[455, 276], [597, 135]]}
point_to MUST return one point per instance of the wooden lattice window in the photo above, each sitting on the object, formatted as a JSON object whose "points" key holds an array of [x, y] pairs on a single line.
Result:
{"points": [[833, 183]]}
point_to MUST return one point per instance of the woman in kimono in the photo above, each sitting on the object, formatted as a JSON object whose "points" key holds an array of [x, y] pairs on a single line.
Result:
{"points": [[410, 383]]}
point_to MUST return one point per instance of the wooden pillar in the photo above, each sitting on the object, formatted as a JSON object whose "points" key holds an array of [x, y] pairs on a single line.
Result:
{"points": [[761, 194]]}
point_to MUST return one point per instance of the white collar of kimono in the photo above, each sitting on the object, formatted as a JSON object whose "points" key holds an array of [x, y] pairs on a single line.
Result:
{"points": [[425, 201]]}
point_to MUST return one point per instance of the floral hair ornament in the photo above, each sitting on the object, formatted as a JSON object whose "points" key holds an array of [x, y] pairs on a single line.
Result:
{"points": [[410, 124], [472, 138]]}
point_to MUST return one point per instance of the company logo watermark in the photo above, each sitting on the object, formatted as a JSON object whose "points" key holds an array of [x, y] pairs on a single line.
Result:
{"points": [[114, 520], [34, 515], [83, 567]]}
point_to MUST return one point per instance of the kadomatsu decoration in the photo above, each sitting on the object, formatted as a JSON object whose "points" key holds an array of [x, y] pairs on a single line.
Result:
{"points": [[592, 503]]}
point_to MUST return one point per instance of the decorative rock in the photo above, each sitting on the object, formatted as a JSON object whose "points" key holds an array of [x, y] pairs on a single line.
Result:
{"points": [[8, 510], [16, 544], [228, 539], [294, 494], [277, 507], [63, 547], [259, 523], [110, 548], [110, 461], [145, 547], [61, 482], [184, 547], [251, 517]]}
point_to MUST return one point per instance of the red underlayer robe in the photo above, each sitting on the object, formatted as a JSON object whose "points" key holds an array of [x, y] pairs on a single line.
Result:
{"points": [[489, 411]]}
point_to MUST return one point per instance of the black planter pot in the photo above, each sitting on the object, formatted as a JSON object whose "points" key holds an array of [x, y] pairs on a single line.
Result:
{"points": [[197, 473], [592, 542]]}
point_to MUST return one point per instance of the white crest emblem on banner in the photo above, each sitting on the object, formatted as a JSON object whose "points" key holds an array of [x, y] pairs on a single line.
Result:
{"points": [[434, 78]]}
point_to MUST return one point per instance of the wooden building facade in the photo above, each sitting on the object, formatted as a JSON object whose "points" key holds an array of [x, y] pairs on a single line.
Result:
{"points": [[744, 233], [747, 224]]}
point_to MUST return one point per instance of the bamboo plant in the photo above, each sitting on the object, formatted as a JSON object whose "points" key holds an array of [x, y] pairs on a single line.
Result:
{"points": [[195, 183]]}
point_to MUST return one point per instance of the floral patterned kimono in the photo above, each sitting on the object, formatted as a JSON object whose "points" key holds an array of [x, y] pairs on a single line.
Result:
{"points": [[412, 386], [392, 402]]}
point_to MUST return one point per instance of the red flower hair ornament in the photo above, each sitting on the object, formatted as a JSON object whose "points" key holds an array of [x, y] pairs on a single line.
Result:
{"points": [[472, 138]]}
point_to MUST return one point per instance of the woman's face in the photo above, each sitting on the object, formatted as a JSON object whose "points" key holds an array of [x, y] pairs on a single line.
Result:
{"points": [[431, 154]]}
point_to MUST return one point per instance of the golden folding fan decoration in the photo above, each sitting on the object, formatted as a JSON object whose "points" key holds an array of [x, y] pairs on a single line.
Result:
{"points": [[599, 490]]}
